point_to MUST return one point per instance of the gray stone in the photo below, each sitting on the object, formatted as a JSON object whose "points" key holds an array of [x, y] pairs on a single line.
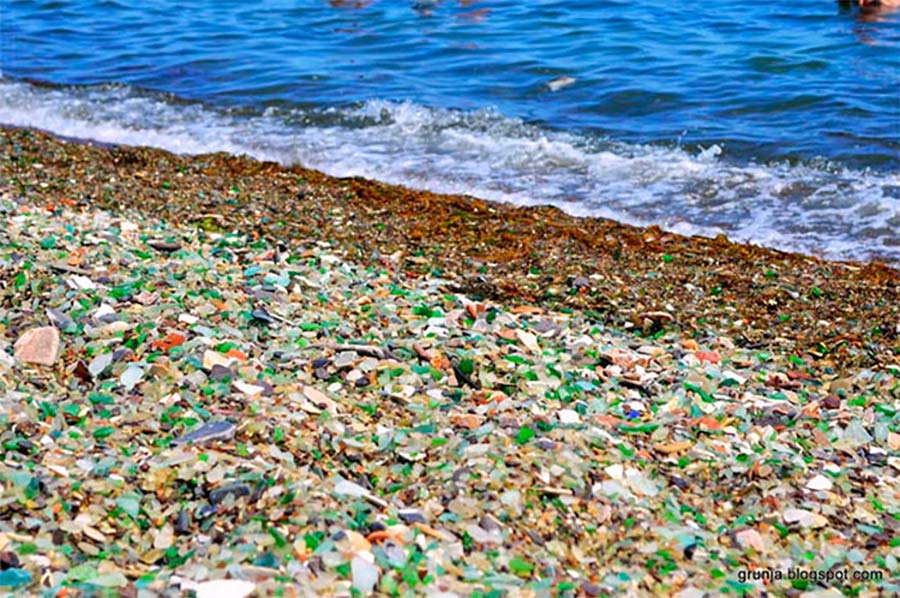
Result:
{"points": [[220, 430]]}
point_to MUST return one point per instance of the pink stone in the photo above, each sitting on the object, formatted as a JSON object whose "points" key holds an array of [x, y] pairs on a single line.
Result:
{"points": [[38, 345]]}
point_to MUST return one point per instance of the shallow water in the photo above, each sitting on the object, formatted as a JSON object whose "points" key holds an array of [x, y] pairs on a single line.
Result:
{"points": [[777, 123]]}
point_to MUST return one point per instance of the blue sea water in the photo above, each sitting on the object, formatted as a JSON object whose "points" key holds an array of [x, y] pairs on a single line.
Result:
{"points": [[773, 122]]}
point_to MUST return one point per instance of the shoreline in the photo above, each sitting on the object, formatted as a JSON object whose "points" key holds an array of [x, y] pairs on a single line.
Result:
{"points": [[841, 313], [201, 393]]}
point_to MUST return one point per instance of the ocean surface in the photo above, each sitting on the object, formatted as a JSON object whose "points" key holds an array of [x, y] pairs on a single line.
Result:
{"points": [[776, 123]]}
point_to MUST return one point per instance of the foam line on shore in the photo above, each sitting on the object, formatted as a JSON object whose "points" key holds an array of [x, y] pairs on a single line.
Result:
{"points": [[816, 208]]}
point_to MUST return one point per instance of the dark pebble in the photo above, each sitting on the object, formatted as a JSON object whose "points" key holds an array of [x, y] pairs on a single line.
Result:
{"points": [[212, 431], [489, 523], [680, 483], [321, 362], [411, 516], [580, 282], [24, 446], [8, 560], [591, 589], [876, 540], [261, 315], [81, 371], [832, 402], [121, 353], [545, 326], [237, 490], [377, 526], [205, 511], [164, 246], [59, 319], [220, 373], [183, 522], [362, 382]]}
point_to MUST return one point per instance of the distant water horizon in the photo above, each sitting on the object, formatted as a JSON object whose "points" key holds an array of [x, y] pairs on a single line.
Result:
{"points": [[771, 123]]}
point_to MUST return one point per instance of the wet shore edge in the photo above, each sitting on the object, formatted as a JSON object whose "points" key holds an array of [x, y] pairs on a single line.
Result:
{"points": [[643, 280]]}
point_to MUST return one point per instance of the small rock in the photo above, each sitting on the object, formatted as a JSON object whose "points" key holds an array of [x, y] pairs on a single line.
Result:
{"points": [[319, 399], [668, 448], [237, 490], [8, 560], [188, 319], [131, 376], [183, 522], [580, 282], [411, 516], [804, 518], [261, 315], [365, 574], [164, 538], [528, 340], [122, 353], [354, 542], [658, 316], [345, 359], [750, 538], [347, 488], [99, 364], [819, 482], [213, 358], [248, 389], [220, 373], [105, 314], [568, 416], [482, 536], [206, 510], [490, 523], [546, 326], [81, 283], [220, 430], [38, 345], [60, 319], [893, 441], [832, 402], [146, 298], [163, 246]]}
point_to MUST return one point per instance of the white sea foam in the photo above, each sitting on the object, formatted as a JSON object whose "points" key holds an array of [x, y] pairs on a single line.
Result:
{"points": [[815, 208]]}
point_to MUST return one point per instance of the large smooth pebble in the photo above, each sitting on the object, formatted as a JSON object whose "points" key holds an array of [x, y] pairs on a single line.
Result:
{"points": [[38, 345]]}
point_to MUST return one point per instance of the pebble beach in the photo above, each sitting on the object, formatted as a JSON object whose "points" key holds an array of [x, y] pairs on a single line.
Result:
{"points": [[225, 377]]}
